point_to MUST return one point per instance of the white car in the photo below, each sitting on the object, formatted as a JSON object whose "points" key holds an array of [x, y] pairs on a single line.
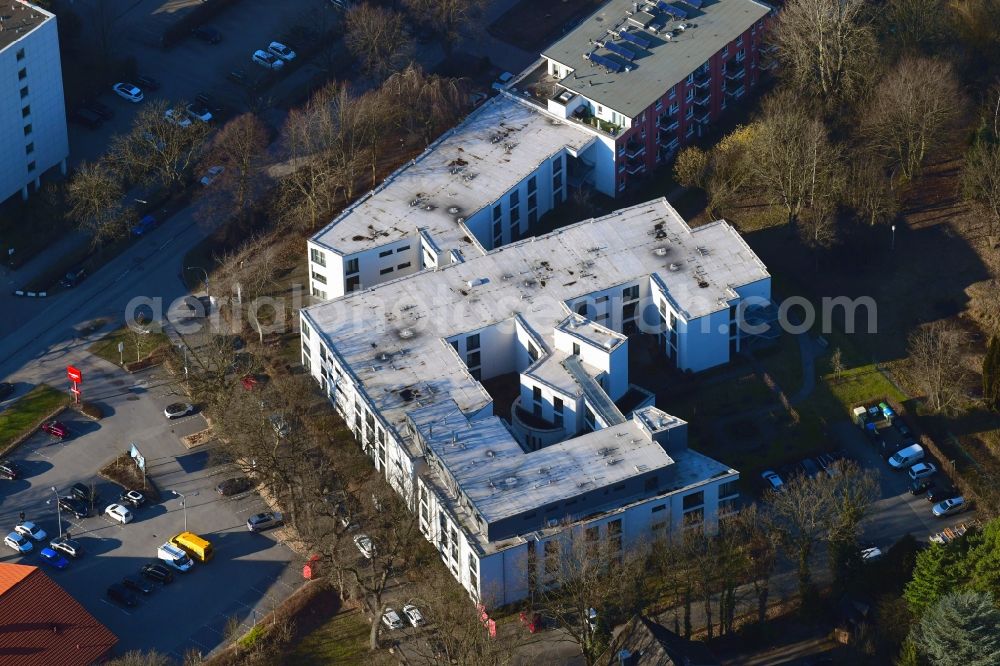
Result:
{"points": [[922, 470], [29, 529], [199, 112], [175, 410], [119, 513], [18, 542], [365, 545], [390, 618], [413, 615], [177, 118], [210, 175], [280, 50], [773, 479], [871, 554], [269, 60], [128, 91]]}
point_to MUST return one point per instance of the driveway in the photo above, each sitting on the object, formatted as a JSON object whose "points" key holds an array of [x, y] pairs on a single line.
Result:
{"points": [[250, 573]]}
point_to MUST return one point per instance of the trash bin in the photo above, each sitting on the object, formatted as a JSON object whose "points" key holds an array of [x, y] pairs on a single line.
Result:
{"points": [[311, 569]]}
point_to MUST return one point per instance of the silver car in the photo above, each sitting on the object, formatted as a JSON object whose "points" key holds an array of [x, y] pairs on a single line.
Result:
{"points": [[949, 507]]}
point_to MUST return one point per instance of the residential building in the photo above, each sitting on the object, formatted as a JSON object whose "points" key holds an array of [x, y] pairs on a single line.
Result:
{"points": [[494, 393], [44, 625], [644, 642], [650, 76], [33, 136]]}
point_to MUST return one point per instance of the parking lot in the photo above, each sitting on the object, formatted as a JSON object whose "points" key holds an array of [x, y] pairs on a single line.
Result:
{"points": [[250, 573]]}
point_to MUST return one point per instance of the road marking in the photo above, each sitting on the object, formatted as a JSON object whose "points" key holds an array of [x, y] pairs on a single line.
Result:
{"points": [[116, 606]]}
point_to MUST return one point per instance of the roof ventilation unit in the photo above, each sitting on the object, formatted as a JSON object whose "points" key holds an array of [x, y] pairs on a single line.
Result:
{"points": [[660, 251], [674, 267]]}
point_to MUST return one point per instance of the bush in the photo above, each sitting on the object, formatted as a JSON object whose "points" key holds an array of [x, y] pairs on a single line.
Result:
{"points": [[90, 409]]}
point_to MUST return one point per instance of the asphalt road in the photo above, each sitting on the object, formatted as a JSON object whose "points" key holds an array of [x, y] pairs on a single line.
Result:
{"points": [[250, 573]]}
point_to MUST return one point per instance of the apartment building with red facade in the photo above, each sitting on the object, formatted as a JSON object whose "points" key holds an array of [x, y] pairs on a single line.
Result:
{"points": [[649, 77]]}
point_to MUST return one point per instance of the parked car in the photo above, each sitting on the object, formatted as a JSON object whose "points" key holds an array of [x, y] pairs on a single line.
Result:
{"points": [[75, 506], [268, 60], [262, 521], [207, 34], [137, 584], [146, 224], [86, 118], [198, 112], [6, 390], [920, 486], [365, 545], [52, 558], [18, 543], [936, 495], [391, 619], [84, 492], [100, 108], [922, 470], [56, 429], [10, 470], [177, 118], [234, 486], [73, 278], [906, 457], [281, 51], [175, 410], [133, 498], [773, 479], [128, 92], [158, 572], [147, 82], [118, 513], [67, 546], [871, 553], [809, 468], [210, 175], [413, 615], [502, 81], [949, 507], [29, 529], [119, 594]]}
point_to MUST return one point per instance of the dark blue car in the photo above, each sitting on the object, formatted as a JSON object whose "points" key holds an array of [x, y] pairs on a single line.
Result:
{"points": [[147, 223]]}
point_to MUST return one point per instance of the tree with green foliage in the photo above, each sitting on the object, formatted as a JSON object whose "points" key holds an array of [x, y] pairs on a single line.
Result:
{"points": [[981, 565], [935, 574], [991, 375], [961, 629]]}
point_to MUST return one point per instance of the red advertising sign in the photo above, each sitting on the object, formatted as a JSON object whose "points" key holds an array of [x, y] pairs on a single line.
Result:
{"points": [[74, 374]]}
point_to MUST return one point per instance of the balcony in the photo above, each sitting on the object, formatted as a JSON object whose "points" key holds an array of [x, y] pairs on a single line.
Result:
{"points": [[702, 112], [664, 137], [703, 98], [667, 122], [702, 80], [737, 74], [584, 115], [525, 424], [635, 165], [735, 89], [635, 148]]}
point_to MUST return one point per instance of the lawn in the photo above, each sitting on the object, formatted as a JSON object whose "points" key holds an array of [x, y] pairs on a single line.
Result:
{"points": [[342, 640], [107, 347], [28, 411]]}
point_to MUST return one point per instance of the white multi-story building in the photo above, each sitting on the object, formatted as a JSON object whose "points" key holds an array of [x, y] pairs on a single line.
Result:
{"points": [[33, 136], [549, 320]]}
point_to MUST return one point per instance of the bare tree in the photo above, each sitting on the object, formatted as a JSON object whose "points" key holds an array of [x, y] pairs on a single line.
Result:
{"points": [[913, 107], [239, 148], [377, 36], [309, 187], [140, 658], [916, 26], [96, 199], [837, 363], [729, 169], [447, 17], [870, 190], [158, 149], [855, 491], [760, 554], [981, 182], [825, 48], [800, 513], [936, 351], [427, 103]]}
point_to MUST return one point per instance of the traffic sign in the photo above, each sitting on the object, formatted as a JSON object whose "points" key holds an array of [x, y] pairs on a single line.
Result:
{"points": [[74, 375]]}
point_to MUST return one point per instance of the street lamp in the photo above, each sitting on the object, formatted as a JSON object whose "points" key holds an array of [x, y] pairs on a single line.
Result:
{"points": [[58, 510], [199, 268], [892, 245], [183, 506], [183, 347]]}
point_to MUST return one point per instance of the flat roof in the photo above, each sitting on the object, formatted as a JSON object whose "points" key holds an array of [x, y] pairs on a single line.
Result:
{"points": [[17, 19], [470, 167], [658, 62], [392, 336]]}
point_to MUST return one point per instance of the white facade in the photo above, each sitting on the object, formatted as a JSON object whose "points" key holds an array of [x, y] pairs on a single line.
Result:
{"points": [[33, 136], [403, 362]]}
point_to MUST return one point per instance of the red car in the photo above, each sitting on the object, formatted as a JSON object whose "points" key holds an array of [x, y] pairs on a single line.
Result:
{"points": [[56, 429]]}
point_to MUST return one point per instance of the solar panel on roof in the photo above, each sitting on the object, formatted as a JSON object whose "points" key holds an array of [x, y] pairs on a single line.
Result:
{"points": [[612, 65], [676, 12], [620, 50], [694, 3], [638, 40]]}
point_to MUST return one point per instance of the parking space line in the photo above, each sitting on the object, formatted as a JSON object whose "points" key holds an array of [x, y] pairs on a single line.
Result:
{"points": [[105, 601]]}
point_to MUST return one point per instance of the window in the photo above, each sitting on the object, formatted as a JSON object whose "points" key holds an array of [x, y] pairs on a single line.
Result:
{"points": [[532, 201], [26, 111], [739, 41], [319, 293], [615, 527], [658, 508], [689, 96], [741, 55], [20, 55], [673, 92], [690, 79], [557, 181], [532, 185], [27, 129], [22, 74], [628, 312], [532, 352], [557, 405], [404, 248], [384, 253], [352, 266], [659, 105], [454, 344], [515, 215], [472, 342], [576, 349], [405, 264], [725, 51], [305, 330], [318, 257], [474, 359], [319, 277], [31, 167], [630, 293], [673, 109], [497, 212], [353, 283], [476, 373], [694, 518], [385, 271], [557, 165], [536, 393], [515, 198], [693, 500], [24, 92], [729, 488], [30, 148]]}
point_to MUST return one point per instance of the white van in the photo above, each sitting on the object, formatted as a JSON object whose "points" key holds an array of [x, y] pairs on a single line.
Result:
{"points": [[175, 557], [906, 457]]}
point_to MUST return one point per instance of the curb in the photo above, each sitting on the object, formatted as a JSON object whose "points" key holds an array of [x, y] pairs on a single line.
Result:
{"points": [[23, 438]]}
